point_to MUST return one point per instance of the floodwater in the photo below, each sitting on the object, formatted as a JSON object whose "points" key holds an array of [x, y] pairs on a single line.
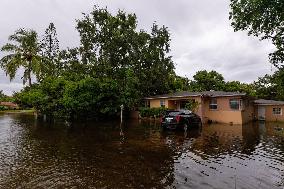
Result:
{"points": [[35, 154]]}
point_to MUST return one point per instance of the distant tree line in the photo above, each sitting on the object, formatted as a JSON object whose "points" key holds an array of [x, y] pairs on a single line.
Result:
{"points": [[114, 64]]}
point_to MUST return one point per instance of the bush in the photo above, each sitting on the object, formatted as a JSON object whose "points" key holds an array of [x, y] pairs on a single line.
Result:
{"points": [[63, 98], [2, 108], [192, 105], [152, 112]]}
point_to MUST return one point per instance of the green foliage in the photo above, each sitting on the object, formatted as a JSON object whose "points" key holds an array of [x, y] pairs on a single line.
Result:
{"points": [[23, 52], [236, 86], [50, 53], [115, 64], [60, 97], [206, 81], [192, 105], [264, 19], [2, 95], [3, 108], [113, 47], [180, 84], [271, 86], [152, 112], [5, 98]]}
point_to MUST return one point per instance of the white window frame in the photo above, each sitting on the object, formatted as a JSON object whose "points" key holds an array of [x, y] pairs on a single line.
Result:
{"points": [[277, 112], [213, 104], [240, 102], [162, 103]]}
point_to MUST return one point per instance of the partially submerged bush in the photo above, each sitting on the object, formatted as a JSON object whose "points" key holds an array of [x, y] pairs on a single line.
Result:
{"points": [[2, 108], [152, 112], [62, 98]]}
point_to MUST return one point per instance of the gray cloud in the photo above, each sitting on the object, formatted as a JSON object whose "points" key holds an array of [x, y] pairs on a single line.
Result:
{"points": [[202, 37]]}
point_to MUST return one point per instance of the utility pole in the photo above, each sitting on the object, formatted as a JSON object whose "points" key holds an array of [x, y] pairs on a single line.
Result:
{"points": [[121, 112]]}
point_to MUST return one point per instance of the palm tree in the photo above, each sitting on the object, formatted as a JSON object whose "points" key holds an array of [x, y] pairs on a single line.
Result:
{"points": [[24, 51]]}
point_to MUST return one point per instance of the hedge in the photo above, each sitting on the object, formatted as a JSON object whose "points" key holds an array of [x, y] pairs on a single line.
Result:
{"points": [[152, 112]]}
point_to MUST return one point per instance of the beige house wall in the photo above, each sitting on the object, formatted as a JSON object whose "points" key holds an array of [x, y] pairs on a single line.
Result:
{"points": [[171, 103], [234, 117], [155, 103], [269, 116], [223, 114]]}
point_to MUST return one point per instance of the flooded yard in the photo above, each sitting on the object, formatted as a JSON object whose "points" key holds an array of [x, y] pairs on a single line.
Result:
{"points": [[35, 154]]}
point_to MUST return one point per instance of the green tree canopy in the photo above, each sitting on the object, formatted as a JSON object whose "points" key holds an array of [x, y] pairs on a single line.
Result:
{"points": [[237, 86], [2, 95], [264, 19], [206, 81], [23, 51], [113, 47], [50, 53], [115, 64], [271, 86]]}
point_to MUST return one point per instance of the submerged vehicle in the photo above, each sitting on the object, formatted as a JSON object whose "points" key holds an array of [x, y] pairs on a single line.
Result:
{"points": [[180, 119]]}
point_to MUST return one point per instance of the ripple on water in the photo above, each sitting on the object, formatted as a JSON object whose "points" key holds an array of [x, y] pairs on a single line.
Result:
{"points": [[35, 154]]}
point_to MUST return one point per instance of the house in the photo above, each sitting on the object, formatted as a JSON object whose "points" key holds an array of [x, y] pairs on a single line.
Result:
{"points": [[216, 106], [269, 110], [9, 105]]}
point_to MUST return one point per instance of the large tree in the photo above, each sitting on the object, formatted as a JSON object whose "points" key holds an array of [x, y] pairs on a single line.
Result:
{"points": [[264, 19], [113, 47], [237, 86], [270, 86], [23, 51], [206, 81], [50, 52]]}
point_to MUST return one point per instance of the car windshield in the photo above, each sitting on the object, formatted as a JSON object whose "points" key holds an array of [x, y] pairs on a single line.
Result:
{"points": [[181, 112], [174, 113], [185, 112]]}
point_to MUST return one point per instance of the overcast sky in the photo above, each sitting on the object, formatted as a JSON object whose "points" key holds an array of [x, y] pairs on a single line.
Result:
{"points": [[202, 37]]}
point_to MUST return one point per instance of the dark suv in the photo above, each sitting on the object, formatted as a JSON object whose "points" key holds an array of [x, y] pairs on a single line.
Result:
{"points": [[180, 119]]}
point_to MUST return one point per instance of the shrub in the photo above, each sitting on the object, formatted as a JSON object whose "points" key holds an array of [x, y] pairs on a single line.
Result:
{"points": [[2, 108], [192, 105], [152, 112]]}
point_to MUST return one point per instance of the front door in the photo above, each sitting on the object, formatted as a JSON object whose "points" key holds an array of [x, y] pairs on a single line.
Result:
{"points": [[261, 113]]}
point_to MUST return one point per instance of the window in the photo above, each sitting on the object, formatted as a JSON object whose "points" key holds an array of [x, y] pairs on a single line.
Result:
{"points": [[162, 103], [277, 111], [213, 104], [235, 104]]}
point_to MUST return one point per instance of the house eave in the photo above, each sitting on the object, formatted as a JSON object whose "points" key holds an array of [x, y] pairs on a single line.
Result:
{"points": [[212, 96], [258, 104]]}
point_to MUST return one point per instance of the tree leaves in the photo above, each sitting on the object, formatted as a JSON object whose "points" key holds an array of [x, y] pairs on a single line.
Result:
{"points": [[24, 52], [264, 19]]}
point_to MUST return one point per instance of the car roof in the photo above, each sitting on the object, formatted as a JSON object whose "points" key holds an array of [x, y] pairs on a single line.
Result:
{"points": [[182, 111]]}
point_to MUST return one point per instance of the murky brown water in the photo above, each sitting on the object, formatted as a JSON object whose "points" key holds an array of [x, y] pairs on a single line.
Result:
{"points": [[35, 154]]}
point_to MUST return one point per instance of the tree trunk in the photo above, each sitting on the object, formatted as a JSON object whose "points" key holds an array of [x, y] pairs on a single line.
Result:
{"points": [[30, 80], [30, 77], [29, 74]]}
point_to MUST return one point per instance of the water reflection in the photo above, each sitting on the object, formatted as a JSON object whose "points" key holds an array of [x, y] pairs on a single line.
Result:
{"points": [[36, 154]]}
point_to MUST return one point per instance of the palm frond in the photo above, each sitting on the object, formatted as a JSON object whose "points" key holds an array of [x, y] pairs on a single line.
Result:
{"points": [[10, 48]]}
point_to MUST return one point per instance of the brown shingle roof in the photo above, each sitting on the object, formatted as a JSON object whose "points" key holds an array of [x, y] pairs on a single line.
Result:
{"points": [[268, 102], [191, 94], [9, 104]]}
